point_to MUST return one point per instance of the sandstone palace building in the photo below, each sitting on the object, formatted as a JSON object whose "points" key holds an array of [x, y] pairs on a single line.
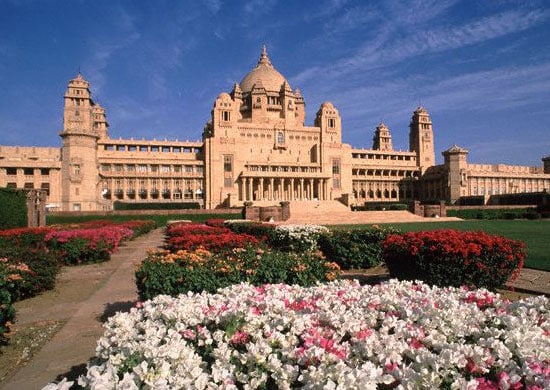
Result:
{"points": [[256, 147]]}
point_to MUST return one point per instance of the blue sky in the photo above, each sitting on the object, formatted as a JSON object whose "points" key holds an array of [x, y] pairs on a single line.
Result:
{"points": [[481, 68]]}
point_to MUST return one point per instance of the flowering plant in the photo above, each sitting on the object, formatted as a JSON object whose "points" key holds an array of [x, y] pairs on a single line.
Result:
{"points": [[165, 272], [191, 236], [297, 238], [335, 336], [450, 257], [76, 246]]}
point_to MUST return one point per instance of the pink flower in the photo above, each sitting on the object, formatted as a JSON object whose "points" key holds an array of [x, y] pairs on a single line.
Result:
{"points": [[239, 338]]}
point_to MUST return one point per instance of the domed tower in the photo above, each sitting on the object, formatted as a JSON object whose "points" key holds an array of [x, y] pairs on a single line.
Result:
{"points": [[382, 138], [421, 138], [267, 95], [82, 126]]}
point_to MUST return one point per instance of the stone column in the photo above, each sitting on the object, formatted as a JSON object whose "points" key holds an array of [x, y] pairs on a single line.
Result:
{"points": [[250, 189], [291, 189], [271, 189]]}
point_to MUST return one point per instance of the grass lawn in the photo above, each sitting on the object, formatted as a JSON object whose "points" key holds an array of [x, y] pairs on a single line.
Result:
{"points": [[535, 234]]}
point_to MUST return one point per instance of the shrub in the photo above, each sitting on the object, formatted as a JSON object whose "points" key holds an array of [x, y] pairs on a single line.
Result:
{"points": [[192, 236], [453, 258], [156, 205], [138, 227], [262, 231], [7, 312], [355, 249], [78, 246], [200, 270], [13, 212], [297, 238]]}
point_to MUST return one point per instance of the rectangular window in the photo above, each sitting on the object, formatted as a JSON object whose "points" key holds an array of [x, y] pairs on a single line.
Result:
{"points": [[177, 168], [176, 149], [189, 168], [142, 168], [165, 169], [154, 168], [11, 185], [44, 171], [130, 168], [118, 167], [121, 148], [228, 182], [336, 173], [132, 148], [28, 186], [228, 163], [76, 169], [28, 171], [143, 148], [199, 169], [165, 149], [154, 148], [45, 187], [11, 171]]}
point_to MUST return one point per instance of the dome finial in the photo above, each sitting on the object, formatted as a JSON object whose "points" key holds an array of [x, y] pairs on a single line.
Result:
{"points": [[264, 59]]}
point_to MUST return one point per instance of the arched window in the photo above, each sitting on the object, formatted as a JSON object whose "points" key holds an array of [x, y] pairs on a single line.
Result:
{"points": [[280, 137]]}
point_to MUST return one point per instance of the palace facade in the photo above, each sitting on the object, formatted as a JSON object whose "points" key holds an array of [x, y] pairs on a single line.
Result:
{"points": [[256, 147]]}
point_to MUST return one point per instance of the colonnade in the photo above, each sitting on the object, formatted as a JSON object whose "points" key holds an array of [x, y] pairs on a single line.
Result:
{"points": [[283, 189]]}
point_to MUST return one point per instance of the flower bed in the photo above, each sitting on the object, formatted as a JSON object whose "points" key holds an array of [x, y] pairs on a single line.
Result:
{"points": [[163, 272], [450, 257], [78, 246], [340, 335], [189, 236], [297, 238]]}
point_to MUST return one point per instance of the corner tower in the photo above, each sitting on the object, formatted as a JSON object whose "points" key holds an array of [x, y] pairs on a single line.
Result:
{"points": [[421, 139], [83, 123], [382, 138]]}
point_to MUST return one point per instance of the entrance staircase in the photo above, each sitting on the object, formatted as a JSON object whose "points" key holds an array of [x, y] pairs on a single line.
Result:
{"points": [[332, 212]]}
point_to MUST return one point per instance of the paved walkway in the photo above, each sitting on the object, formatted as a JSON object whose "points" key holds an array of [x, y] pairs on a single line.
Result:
{"points": [[104, 289], [108, 287]]}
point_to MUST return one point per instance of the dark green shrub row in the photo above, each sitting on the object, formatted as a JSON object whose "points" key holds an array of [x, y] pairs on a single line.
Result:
{"points": [[156, 206], [354, 249], [177, 273], [526, 213], [378, 206], [13, 212], [262, 231], [454, 258]]}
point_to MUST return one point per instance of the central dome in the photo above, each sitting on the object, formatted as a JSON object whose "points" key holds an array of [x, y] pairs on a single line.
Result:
{"points": [[265, 75]]}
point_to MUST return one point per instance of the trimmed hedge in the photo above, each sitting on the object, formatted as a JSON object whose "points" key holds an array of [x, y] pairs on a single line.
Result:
{"points": [[13, 212], [454, 258], [355, 249], [156, 205], [524, 213], [379, 206]]}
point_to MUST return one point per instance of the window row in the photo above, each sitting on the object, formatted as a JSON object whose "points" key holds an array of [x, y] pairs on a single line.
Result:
{"points": [[30, 186], [384, 172], [372, 156], [269, 168], [152, 168], [152, 148], [28, 171]]}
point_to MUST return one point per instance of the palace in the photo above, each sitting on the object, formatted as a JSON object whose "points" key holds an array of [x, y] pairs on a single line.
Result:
{"points": [[256, 147]]}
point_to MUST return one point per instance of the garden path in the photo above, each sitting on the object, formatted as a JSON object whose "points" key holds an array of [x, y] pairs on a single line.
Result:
{"points": [[84, 297]]}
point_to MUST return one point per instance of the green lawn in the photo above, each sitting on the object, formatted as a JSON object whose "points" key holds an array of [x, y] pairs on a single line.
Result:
{"points": [[535, 234]]}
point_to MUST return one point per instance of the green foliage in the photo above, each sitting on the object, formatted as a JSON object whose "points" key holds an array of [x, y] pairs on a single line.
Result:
{"points": [[262, 231], [355, 249], [379, 206], [156, 206], [160, 220], [7, 312], [13, 212], [484, 213], [196, 271]]}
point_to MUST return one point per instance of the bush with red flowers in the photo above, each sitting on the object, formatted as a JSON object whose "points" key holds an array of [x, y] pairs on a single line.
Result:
{"points": [[454, 258], [77, 246], [189, 236]]}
